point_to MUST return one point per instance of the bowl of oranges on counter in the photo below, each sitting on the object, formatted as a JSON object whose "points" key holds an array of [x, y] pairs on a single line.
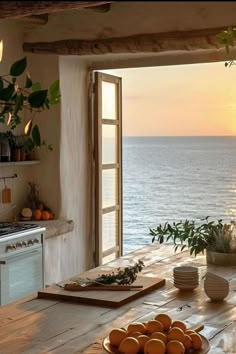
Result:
{"points": [[161, 335]]}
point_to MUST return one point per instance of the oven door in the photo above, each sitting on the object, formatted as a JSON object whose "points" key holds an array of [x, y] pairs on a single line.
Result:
{"points": [[21, 273]]}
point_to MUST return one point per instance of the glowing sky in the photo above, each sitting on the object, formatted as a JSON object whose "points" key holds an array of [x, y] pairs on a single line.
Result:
{"points": [[196, 99]]}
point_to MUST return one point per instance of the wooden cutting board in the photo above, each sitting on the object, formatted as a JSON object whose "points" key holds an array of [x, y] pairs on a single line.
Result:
{"points": [[104, 298]]}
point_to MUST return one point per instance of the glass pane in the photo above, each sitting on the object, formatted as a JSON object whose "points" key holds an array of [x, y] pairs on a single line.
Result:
{"points": [[108, 100], [108, 188], [108, 143], [109, 230]]}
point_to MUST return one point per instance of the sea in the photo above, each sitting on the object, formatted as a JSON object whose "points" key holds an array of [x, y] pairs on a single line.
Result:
{"points": [[168, 179]]}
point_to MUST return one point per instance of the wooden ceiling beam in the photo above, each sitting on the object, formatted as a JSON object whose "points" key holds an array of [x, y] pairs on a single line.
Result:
{"points": [[18, 9], [143, 43], [35, 19]]}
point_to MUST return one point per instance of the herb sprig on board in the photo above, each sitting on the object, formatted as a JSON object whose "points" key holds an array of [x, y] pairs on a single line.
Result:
{"points": [[123, 277]]}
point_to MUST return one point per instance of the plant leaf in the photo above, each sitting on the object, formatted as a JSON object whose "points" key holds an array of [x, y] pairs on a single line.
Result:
{"points": [[37, 99], [18, 67], [36, 136], [1, 84], [28, 82], [54, 89], [36, 86], [7, 93], [19, 103], [28, 127]]}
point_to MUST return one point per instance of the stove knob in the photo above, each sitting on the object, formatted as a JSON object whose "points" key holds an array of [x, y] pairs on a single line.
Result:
{"points": [[9, 248], [14, 246], [24, 244], [19, 244], [36, 240], [30, 242]]}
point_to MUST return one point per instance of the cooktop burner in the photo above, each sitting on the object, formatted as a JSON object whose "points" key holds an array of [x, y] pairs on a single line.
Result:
{"points": [[7, 228]]}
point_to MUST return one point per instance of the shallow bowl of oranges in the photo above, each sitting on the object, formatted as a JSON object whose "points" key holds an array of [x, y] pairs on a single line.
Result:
{"points": [[161, 335]]}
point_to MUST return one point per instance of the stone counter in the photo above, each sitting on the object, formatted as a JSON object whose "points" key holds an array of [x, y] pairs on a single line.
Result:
{"points": [[56, 227]]}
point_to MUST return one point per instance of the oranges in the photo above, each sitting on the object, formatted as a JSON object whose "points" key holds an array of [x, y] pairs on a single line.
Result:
{"points": [[160, 335], [179, 324], [154, 326], [116, 336], [175, 334], [136, 327], [154, 346], [175, 347], [165, 320], [129, 346], [37, 214]]}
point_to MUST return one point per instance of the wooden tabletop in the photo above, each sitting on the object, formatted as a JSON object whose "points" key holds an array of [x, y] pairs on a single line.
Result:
{"points": [[34, 326]]}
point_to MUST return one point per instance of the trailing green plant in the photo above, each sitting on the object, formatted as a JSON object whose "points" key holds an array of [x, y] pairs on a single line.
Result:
{"points": [[211, 235], [16, 99]]}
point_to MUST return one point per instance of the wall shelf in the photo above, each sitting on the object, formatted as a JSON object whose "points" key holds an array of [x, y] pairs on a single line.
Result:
{"points": [[19, 163]]}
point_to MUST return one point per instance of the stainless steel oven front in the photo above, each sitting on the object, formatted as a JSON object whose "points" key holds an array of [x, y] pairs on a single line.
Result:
{"points": [[21, 265]]}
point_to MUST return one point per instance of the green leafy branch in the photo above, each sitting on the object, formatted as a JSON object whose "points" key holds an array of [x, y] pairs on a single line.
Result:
{"points": [[14, 99], [208, 235], [227, 38]]}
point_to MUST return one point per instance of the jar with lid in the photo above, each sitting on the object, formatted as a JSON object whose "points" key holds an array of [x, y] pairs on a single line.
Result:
{"points": [[5, 151]]}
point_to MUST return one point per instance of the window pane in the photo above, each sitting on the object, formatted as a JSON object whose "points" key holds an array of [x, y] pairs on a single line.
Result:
{"points": [[108, 143], [108, 188], [109, 230], [108, 100]]}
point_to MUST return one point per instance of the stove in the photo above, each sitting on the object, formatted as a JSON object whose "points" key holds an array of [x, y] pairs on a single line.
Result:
{"points": [[21, 260]]}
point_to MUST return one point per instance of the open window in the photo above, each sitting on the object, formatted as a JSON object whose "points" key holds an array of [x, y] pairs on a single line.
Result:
{"points": [[108, 168]]}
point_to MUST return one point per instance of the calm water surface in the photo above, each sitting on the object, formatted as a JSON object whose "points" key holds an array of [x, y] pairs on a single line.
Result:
{"points": [[175, 178]]}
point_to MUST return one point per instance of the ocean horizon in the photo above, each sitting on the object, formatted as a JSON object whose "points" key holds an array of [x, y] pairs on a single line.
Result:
{"points": [[172, 178]]}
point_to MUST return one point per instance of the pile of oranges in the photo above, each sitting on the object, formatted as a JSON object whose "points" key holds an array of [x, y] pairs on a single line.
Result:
{"points": [[158, 336], [42, 214]]}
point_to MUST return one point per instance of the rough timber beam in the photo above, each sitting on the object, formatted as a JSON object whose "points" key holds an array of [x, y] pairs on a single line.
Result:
{"points": [[18, 9], [143, 43]]}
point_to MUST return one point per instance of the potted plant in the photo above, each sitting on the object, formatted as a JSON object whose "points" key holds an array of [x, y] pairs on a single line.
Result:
{"points": [[16, 99], [214, 237]]}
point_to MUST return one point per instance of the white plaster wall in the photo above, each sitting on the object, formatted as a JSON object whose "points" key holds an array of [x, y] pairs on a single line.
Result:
{"points": [[12, 35], [74, 162]]}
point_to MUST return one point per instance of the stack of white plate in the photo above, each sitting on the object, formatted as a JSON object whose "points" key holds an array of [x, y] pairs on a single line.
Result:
{"points": [[216, 287], [185, 278]]}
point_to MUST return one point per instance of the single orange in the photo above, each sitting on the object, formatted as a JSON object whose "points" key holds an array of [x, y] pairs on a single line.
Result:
{"points": [[45, 215], [136, 327], [37, 214], [179, 324], [143, 339], [50, 215], [129, 345], [196, 341], [165, 320], [134, 334], [160, 336], [175, 334], [116, 336], [187, 342], [154, 326], [154, 346], [175, 347]]}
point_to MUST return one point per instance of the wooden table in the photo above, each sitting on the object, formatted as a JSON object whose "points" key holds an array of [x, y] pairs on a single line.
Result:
{"points": [[33, 326]]}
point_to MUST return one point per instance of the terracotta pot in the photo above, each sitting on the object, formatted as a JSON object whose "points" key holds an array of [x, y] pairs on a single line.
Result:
{"points": [[15, 155], [22, 155], [221, 259]]}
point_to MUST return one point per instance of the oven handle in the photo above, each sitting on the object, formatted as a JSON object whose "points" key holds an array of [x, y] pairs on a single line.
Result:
{"points": [[23, 255]]}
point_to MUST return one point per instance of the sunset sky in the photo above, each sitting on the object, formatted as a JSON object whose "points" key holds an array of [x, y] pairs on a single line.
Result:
{"points": [[197, 99]]}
